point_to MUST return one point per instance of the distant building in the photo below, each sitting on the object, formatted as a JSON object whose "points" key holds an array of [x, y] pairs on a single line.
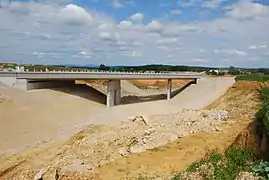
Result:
{"points": [[214, 71], [1, 68], [20, 68]]}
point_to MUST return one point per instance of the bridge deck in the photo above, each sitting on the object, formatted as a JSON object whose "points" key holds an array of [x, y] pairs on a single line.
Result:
{"points": [[98, 75]]}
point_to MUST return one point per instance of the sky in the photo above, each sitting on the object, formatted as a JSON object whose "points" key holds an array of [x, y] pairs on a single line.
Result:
{"points": [[219, 33]]}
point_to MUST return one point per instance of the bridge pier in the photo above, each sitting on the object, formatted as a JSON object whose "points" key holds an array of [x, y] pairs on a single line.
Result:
{"points": [[113, 93], [169, 89]]}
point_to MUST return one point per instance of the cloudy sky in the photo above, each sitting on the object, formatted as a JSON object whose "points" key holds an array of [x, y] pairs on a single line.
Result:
{"points": [[135, 32]]}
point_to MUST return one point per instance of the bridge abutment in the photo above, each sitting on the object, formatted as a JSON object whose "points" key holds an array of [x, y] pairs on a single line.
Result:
{"points": [[113, 93]]}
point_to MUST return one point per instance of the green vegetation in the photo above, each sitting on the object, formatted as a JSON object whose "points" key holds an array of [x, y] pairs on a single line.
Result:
{"points": [[157, 68], [263, 113], [103, 67], [226, 167], [262, 169], [8, 65], [235, 161], [52, 68], [151, 67], [253, 77]]}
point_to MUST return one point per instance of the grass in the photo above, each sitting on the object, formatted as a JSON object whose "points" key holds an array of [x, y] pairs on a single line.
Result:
{"points": [[222, 167], [253, 77]]}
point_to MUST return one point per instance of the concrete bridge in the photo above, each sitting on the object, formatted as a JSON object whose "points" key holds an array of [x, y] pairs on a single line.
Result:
{"points": [[37, 80]]}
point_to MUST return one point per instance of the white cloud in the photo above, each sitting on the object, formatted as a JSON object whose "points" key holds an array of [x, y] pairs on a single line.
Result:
{"points": [[175, 12], [132, 54], [125, 24], [83, 53], [74, 15], [262, 46], [137, 17], [167, 40], [105, 35], [136, 43], [231, 52], [253, 47], [164, 48], [246, 10], [154, 26], [212, 3], [117, 4], [201, 60], [38, 53], [202, 50], [176, 29], [189, 3], [106, 26], [77, 35], [121, 43], [170, 56], [19, 7]]}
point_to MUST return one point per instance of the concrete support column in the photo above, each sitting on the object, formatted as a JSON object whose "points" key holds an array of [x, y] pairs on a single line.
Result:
{"points": [[118, 96], [113, 93], [169, 89], [195, 81]]}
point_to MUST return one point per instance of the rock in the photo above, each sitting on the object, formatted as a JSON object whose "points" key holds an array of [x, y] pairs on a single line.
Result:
{"points": [[76, 168], [183, 134], [123, 151], [39, 175], [137, 149], [139, 119], [173, 137], [149, 131], [246, 176], [132, 118]]}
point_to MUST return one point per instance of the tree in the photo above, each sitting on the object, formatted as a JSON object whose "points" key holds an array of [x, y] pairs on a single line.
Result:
{"points": [[233, 71], [103, 67]]}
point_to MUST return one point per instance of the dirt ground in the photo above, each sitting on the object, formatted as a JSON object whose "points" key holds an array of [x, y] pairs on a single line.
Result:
{"points": [[159, 84], [240, 101]]}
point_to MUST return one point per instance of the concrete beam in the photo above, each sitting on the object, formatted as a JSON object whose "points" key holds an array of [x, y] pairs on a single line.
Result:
{"points": [[113, 93], [169, 89], [35, 84]]}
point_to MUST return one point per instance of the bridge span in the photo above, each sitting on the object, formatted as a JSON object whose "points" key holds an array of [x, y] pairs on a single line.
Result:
{"points": [[37, 80]]}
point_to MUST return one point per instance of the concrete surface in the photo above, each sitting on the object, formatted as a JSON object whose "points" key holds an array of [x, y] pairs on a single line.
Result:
{"points": [[98, 75]]}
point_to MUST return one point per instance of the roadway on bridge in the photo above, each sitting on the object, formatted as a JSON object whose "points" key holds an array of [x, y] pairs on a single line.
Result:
{"points": [[99, 75]]}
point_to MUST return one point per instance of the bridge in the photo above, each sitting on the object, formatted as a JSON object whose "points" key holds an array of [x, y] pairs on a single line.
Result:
{"points": [[37, 80]]}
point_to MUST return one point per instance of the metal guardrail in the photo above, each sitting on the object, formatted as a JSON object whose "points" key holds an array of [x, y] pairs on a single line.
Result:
{"points": [[98, 75]]}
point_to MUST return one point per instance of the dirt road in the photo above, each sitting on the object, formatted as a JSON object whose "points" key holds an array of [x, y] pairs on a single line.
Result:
{"points": [[196, 96], [43, 116]]}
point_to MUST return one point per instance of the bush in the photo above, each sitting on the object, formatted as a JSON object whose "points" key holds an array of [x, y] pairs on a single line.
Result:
{"points": [[262, 169], [263, 112]]}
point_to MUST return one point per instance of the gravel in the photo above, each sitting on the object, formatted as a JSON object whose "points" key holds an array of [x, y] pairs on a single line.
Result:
{"points": [[134, 135]]}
